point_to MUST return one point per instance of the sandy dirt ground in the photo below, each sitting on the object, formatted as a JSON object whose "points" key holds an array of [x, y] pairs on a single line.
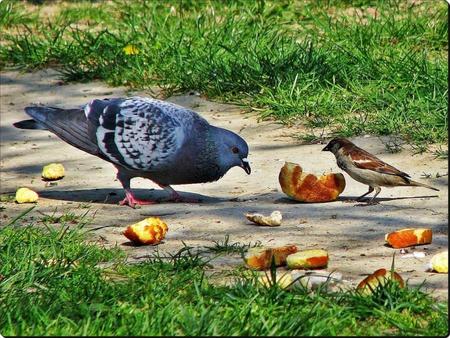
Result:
{"points": [[353, 234]]}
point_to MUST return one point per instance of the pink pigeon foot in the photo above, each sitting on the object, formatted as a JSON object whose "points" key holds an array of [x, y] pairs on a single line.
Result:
{"points": [[132, 201]]}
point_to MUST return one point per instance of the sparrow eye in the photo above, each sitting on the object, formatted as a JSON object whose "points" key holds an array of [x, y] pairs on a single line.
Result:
{"points": [[235, 150]]}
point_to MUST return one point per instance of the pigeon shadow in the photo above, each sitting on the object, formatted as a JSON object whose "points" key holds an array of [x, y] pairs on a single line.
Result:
{"points": [[114, 196]]}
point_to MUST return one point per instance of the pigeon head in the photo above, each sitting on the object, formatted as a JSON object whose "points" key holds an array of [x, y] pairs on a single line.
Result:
{"points": [[233, 150]]}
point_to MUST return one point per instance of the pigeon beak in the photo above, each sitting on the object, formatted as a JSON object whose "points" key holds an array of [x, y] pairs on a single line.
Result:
{"points": [[246, 166]]}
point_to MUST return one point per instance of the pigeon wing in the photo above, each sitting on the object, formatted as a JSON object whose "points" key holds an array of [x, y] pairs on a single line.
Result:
{"points": [[138, 133]]}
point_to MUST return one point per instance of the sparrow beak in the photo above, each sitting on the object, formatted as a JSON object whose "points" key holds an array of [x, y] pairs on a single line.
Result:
{"points": [[246, 166]]}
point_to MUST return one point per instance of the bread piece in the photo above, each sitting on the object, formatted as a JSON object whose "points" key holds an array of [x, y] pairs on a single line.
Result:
{"points": [[53, 172], [260, 258], [25, 195], [439, 262], [282, 252], [283, 280], [409, 237], [308, 259], [273, 220], [151, 230], [305, 187], [378, 278]]}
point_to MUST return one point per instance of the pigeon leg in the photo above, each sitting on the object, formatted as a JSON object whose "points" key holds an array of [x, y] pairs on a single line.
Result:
{"points": [[367, 193], [130, 199], [176, 197]]}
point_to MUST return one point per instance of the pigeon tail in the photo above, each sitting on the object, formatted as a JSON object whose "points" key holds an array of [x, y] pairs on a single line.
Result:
{"points": [[29, 124], [68, 124]]}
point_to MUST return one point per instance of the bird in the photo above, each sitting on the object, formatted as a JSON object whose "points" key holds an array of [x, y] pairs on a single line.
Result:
{"points": [[368, 169], [145, 137]]}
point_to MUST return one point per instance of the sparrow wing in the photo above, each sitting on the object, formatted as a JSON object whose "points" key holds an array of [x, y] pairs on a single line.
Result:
{"points": [[364, 160]]}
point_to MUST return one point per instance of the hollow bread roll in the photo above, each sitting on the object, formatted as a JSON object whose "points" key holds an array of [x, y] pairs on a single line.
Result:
{"points": [[305, 187]]}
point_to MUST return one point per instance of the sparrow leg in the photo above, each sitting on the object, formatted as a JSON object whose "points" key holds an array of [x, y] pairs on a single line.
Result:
{"points": [[176, 197], [372, 200], [130, 199], [360, 197]]}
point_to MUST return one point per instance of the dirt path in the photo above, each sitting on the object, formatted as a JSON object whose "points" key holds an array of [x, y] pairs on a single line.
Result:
{"points": [[353, 235]]}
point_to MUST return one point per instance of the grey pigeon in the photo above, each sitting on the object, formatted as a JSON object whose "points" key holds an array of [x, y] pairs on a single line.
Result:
{"points": [[145, 137]]}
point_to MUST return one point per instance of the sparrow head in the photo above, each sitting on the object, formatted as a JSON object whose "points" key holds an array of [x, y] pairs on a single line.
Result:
{"points": [[337, 143]]}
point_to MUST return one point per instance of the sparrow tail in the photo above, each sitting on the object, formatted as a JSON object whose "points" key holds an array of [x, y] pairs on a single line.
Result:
{"points": [[417, 184]]}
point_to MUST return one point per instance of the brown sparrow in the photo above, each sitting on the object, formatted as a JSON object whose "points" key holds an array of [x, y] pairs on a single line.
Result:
{"points": [[367, 168]]}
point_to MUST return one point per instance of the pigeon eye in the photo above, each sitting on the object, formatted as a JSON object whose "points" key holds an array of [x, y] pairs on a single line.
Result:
{"points": [[235, 150]]}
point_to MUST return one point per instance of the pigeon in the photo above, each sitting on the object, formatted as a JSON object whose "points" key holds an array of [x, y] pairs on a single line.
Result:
{"points": [[368, 169], [146, 137]]}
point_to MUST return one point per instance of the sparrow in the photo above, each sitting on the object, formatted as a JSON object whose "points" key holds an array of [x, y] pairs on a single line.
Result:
{"points": [[367, 168], [145, 137]]}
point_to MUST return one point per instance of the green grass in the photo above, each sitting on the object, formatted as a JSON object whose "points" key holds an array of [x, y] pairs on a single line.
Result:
{"points": [[226, 247], [58, 281], [65, 217], [331, 64]]}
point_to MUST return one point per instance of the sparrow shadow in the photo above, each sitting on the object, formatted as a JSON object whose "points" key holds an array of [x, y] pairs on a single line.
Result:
{"points": [[114, 196], [349, 199], [381, 199]]}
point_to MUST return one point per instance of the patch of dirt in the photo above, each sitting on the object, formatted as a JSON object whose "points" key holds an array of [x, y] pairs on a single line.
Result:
{"points": [[353, 235]]}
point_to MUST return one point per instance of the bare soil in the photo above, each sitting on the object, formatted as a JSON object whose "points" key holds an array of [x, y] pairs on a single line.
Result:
{"points": [[352, 233]]}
